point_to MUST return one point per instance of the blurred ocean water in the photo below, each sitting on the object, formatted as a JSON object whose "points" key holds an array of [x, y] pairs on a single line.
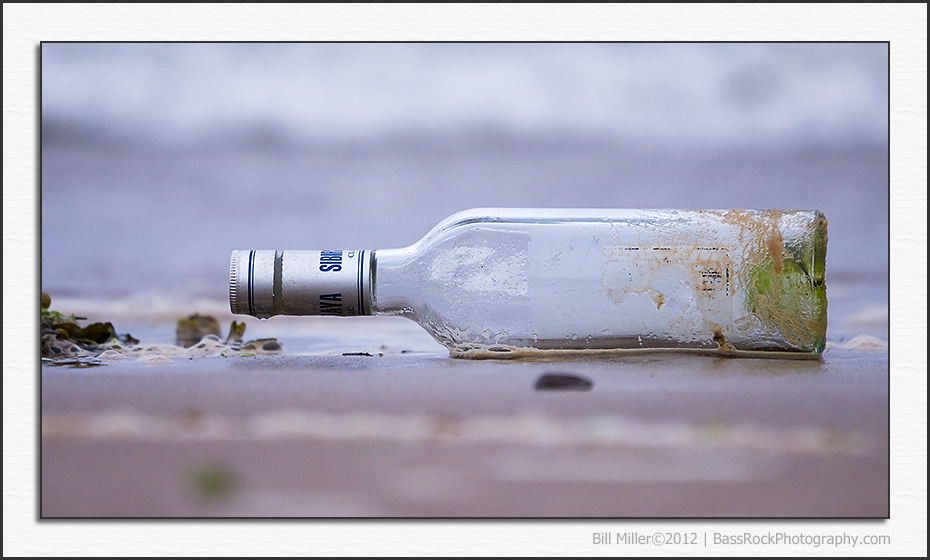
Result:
{"points": [[703, 96], [159, 159]]}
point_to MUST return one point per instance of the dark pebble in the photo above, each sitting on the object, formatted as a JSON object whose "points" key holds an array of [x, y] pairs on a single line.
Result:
{"points": [[271, 346], [563, 382]]}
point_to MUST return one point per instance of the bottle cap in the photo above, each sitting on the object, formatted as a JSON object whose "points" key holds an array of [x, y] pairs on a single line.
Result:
{"points": [[266, 283]]}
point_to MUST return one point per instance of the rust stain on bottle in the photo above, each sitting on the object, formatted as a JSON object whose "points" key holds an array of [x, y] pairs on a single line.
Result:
{"points": [[721, 340]]}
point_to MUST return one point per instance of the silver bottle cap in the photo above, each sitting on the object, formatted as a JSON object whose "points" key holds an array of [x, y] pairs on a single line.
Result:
{"points": [[266, 283]]}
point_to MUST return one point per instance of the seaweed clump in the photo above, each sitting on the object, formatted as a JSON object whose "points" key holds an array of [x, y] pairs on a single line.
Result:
{"points": [[191, 330], [66, 342]]}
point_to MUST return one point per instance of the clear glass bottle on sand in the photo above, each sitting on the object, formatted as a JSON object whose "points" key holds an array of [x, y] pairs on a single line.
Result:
{"points": [[498, 283]]}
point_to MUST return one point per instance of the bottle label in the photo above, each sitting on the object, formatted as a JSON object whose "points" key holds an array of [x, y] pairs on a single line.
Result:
{"points": [[630, 287], [694, 281], [637, 270]]}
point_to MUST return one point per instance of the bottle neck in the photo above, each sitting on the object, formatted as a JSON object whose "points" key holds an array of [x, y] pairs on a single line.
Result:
{"points": [[393, 287]]}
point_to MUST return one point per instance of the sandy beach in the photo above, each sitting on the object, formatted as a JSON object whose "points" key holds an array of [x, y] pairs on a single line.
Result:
{"points": [[424, 436]]}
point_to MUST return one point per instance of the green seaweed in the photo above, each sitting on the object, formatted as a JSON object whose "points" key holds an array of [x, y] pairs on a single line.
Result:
{"points": [[212, 482], [64, 339], [191, 329], [66, 342], [236, 332], [790, 300], [266, 344]]}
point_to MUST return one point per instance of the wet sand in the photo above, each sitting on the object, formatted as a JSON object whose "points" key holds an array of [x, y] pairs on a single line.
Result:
{"points": [[419, 434]]}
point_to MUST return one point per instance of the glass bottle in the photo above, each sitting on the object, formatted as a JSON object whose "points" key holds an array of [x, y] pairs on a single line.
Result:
{"points": [[516, 282]]}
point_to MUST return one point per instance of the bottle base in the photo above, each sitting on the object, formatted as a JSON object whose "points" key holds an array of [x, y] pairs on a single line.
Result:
{"points": [[508, 352]]}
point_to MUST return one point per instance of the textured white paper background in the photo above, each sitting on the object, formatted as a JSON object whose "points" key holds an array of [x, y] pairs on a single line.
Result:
{"points": [[24, 26]]}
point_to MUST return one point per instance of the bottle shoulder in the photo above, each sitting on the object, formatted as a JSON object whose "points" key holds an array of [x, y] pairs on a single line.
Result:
{"points": [[480, 216]]}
